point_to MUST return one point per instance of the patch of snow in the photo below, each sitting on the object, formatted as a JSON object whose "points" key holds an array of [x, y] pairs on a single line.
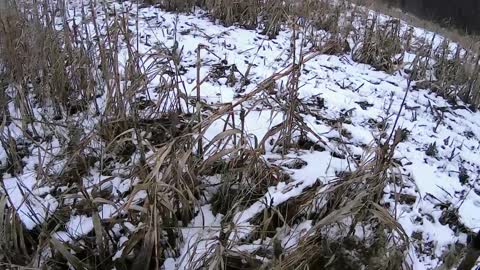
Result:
{"points": [[32, 209], [79, 226]]}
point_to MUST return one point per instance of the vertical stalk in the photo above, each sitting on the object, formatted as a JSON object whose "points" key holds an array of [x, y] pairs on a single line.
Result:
{"points": [[199, 107]]}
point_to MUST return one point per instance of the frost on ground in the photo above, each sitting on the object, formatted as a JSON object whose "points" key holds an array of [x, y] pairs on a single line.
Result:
{"points": [[350, 106]]}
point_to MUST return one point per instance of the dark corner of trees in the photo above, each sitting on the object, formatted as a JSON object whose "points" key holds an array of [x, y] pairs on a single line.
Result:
{"points": [[461, 14]]}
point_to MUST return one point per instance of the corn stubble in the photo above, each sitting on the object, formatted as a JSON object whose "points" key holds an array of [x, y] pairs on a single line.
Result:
{"points": [[66, 71]]}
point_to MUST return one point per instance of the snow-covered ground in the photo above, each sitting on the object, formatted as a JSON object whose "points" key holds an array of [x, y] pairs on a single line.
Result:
{"points": [[355, 97]]}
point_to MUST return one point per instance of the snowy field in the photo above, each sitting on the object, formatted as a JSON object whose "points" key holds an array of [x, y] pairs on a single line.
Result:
{"points": [[348, 104]]}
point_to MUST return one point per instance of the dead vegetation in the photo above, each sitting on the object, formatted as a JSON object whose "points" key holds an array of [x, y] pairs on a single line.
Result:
{"points": [[381, 48], [158, 143]]}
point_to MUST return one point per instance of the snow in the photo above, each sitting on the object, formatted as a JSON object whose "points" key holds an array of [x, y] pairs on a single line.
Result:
{"points": [[79, 226], [326, 76], [108, 211], [32, 209], [200, 237], [62, 236], [295, 235], [343, 85]]}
